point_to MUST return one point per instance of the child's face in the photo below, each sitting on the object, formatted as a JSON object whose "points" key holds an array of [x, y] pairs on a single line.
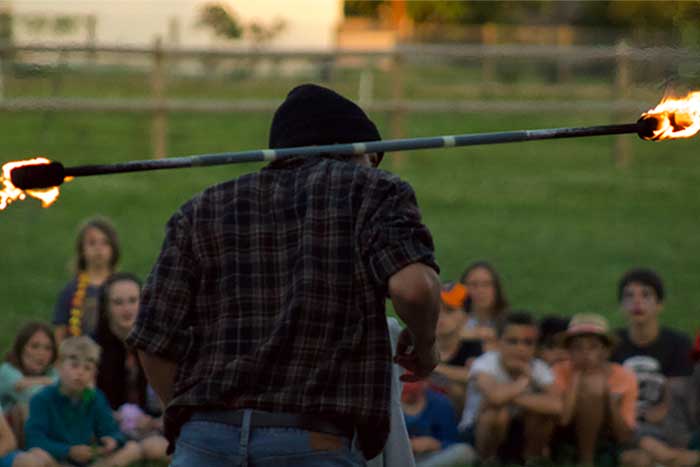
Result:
{"points": [[76, 374], [96, 248], [554, 354], [37, 354], [588, 352], [450, 320], [481, 287], [123, 304], [640, 303], [517, 346]]}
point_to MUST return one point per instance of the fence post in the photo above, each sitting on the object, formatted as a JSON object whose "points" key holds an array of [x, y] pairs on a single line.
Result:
{"points": [[91, 27], [565, 38], [489, 37], [159, 122], [396, 117], [622, 149]]}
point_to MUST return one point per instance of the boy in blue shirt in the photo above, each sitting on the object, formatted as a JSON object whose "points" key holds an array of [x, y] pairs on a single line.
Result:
{"points": [[432, 426], [72, 420]]}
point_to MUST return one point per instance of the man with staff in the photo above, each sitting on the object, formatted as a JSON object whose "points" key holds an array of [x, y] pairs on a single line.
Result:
{"points": [[263, 326]]}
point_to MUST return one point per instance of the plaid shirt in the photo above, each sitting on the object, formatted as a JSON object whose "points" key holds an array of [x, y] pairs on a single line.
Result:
{"points": [[270, 289]]}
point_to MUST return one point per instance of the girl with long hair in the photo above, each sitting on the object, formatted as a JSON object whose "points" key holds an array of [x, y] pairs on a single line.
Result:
{"points": [[120, 375], [97, 255]]}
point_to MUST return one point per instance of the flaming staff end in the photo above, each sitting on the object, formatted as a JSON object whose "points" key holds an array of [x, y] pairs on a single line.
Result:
{"points": [[39, 176]]}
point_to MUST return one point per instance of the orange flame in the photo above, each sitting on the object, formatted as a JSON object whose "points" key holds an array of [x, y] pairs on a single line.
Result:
{"points": [[676, 117], [10, 193]]}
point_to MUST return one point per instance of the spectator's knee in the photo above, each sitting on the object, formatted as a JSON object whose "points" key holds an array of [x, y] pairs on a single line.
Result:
{"points": [[495, 418], [635, 458], [154, 447]]}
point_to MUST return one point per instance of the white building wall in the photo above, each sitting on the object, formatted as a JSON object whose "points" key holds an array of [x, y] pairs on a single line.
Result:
{"points": [[311, 24]]}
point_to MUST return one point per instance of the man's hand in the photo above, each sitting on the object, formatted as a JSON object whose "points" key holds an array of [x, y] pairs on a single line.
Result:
{"points": [[420, 358], [109, 444], [80, 453]]}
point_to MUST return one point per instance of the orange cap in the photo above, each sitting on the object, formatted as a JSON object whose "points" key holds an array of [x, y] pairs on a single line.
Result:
{"points": [[453, 295]]}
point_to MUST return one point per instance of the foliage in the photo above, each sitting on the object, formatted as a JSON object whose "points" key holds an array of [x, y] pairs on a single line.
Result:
{"points": [[680, 18], [221, 20], [363, 8], [225, 23]]}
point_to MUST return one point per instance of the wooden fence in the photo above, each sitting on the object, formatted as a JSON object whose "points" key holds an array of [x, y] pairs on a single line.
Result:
{"points": [[159, 105]]}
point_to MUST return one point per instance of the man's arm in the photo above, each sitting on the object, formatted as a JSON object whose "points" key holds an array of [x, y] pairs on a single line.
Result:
{"points": [[160, 374], [415, 293]]}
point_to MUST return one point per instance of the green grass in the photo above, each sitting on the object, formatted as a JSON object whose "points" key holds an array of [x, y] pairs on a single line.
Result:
{"points": [[557, 218]]}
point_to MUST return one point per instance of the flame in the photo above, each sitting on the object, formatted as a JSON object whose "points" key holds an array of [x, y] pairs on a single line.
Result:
{"points": [[676, 117], [10, 193]]}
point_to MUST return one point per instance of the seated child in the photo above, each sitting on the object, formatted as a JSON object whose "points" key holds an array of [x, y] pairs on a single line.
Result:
{"points": [[511, 403], [599, 396], [456, 355], [550, 345], [432, 427], [71, 420], [11, 457], [27, 369], [681, 427]]}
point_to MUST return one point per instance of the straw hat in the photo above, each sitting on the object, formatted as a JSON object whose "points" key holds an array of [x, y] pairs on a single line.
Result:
{"points": [[589, 324]]}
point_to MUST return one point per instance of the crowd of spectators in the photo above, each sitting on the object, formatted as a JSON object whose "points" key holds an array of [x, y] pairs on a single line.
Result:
{"points": [[512, 390], [508, 390], [73, 393]]}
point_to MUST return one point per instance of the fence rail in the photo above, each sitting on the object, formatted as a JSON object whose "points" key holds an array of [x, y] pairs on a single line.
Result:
{"points": [[159, 105]]}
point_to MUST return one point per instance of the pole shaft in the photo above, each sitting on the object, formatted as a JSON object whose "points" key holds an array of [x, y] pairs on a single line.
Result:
{"points": [[260, 155]]}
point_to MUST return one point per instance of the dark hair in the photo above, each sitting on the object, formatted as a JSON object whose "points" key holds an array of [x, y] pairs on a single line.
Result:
{"points": [[105, 226], [643, 276], [500, 305], [111, 374], [551, 329], [516, 318], [14, 357]]}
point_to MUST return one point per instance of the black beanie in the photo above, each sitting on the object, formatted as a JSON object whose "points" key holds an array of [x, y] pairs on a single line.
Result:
{"points": [[312, 115]]}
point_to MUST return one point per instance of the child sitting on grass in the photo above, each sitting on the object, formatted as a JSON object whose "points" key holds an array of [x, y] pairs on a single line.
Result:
{"points": [[72, 420], [11, 457], [598, 416]]}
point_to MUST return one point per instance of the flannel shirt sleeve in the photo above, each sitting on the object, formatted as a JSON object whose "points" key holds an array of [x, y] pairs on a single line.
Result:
{"points": [[162, 327], [394, 236]]}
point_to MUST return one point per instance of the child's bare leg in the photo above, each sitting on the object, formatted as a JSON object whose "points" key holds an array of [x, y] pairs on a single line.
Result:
{"points": [[538, 432], [154, 447], [34, 458], [491, 430], [590, 415], [129, 453]]}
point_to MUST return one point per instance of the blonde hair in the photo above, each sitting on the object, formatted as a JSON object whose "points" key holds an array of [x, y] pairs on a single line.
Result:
{"points": [[81, 347]]}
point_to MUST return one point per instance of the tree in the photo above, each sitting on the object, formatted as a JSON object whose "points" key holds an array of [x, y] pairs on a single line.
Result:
{"points": [[221, 20]]}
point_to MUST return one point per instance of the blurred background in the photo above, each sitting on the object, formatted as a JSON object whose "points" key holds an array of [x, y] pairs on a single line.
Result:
{"points": [[99, 81]]}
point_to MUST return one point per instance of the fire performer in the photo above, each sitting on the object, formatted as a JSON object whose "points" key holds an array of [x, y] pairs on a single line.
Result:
{"points": [[265, 311]]}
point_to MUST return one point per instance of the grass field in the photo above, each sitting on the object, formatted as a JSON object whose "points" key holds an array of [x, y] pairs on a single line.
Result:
{"points": [[556, 218]]}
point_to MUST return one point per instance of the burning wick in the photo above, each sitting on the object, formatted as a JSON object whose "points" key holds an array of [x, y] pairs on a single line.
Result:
{"points": [[673, 118], [9, 192]]}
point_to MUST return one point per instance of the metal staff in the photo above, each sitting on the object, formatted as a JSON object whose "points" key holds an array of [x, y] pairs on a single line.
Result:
{"points": [[53, 174]]}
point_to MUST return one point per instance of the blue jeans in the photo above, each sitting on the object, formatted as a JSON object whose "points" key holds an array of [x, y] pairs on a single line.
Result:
{"points": [[210, 444]]}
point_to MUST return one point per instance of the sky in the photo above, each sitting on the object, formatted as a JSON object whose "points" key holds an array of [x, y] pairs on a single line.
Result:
{"points": [[310, 23]]}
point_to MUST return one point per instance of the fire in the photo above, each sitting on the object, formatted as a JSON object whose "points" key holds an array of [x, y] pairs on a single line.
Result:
{"points": [[10, 193], [675, 117]]}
